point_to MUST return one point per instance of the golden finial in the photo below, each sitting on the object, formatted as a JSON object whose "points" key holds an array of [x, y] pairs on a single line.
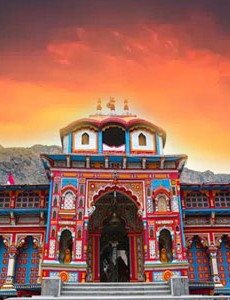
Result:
{"points": [[126, 107], [111, 104], [99, 107]]}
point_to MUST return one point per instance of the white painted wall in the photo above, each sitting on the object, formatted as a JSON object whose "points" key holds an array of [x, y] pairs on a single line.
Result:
{"points": [[65, 144], [92, 140], [150, 141]]}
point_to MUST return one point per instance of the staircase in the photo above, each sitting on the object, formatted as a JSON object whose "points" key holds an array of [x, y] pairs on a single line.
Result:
{"points": [[121, 291]]}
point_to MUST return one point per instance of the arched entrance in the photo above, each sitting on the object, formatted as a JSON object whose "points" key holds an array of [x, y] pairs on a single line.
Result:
{"points": [[115, 240]]}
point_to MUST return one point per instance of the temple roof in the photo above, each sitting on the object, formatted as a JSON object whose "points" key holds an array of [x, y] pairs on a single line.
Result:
{"points": [[99, 121]]}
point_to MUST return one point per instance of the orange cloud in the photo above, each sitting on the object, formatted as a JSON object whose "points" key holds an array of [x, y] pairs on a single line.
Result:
{"points": [[175, 76]]}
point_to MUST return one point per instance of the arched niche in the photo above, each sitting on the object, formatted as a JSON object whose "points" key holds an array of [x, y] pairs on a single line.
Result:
{"points": [[161, 200], [65, 247], [142, 139], [165, 246], [85, 139]]}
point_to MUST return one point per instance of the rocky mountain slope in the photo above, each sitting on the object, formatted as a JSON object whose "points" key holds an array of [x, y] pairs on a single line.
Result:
{"points": [[26, 167], [24, 164]]}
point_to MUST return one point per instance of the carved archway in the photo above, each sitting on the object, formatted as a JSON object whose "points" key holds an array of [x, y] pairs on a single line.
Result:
{"points": [[115, 237]]}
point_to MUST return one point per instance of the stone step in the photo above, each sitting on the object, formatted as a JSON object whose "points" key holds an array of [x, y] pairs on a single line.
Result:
{"points": [[117, 293], [118, 284], [118, 289], [114, 287], [159, 297]]}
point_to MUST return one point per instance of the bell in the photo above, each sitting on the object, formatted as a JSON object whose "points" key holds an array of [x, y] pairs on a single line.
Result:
{"points": [[114, 221]]}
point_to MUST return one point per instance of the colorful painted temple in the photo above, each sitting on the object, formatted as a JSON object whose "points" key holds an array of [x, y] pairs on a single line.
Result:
{"points": [[114, 211]]}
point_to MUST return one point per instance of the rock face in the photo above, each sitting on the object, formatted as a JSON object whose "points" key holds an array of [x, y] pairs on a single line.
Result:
{"points": [[191, 176], [26, 167], [25, 164]]}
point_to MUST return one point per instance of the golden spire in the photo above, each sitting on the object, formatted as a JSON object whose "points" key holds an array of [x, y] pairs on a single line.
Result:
{"points": [[126, 106], [99, 107], [111, 104]]}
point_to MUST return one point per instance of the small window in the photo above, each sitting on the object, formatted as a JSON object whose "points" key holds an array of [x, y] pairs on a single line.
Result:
{"points": [[55, 201], [196, 199], [56, 188], [80, 216], [81, 202], [28, 199], [142, 139], [85, 139], [54, 214], [151, 233], [69, 200], [222, 199], [4, 200], [53, 233]]}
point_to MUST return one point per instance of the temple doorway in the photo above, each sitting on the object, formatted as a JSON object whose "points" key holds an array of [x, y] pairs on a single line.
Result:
{"points": [[114, 257], [115, 240]]}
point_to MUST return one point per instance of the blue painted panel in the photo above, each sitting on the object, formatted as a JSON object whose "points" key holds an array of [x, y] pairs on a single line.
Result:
{"points": [[67, 181], [70, 142], [199, 270], [115, 158], [97, 158], [100, 146], [161, 182], [3, 262], [27, 264], [158, 146], [127, 142], [223, 262], [181, 221]]}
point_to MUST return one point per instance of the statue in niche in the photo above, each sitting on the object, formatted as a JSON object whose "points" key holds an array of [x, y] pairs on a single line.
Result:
{"points": [[162, 204], [165, 246], [66, 244], [67, 256], [163, 255]]}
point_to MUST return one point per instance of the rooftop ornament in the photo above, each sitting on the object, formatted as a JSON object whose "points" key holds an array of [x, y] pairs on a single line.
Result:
{"points": [[111, 105]]}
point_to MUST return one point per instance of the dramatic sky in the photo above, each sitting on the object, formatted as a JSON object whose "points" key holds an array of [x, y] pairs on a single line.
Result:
{"points": [[169, 58]]}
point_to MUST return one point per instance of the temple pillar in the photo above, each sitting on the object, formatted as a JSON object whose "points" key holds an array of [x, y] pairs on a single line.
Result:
{"points": [[40, 265], [9, 283], [85, 239], [212, 251]]}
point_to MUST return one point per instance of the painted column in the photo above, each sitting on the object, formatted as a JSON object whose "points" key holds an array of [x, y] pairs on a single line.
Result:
{"points": [[212, 251], [100, 142], [127, 142], [40, 265], [132, 256], [9, 283], [146, 253], [145, 229], [70, 142], [96, 257], [181, 224], [158, 144], [49, 210], [85, 239]]}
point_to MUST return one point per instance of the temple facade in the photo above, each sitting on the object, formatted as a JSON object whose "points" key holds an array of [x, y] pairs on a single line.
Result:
{"points": [[114, 211]]}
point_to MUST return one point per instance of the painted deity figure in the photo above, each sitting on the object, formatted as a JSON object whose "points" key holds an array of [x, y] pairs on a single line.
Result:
{"points": [[67, 256], [163, 255]]}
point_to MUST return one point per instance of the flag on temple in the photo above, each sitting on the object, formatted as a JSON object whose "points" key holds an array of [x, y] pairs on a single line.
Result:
{"points": [[10, 179]]}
